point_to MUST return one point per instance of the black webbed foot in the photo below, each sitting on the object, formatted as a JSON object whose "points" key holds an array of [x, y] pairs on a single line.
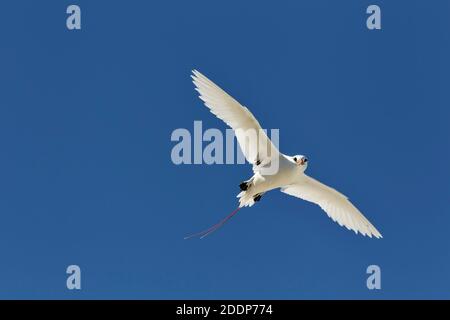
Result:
{"points": [[243, 186], [257, 197]]}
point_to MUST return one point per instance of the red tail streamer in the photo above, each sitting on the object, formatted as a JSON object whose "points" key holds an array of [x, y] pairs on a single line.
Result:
{"points": [[210, 230]]}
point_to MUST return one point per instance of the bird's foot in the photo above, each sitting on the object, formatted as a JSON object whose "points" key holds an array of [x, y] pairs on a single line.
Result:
{"points": [[244, 186], [257, 197]]}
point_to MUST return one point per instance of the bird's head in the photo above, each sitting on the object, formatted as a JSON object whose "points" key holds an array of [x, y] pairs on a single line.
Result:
{"points": [[300, 161]]}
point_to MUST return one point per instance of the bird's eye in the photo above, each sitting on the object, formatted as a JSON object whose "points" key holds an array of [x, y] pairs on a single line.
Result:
{"points": [[306, 159], [295, 159]]}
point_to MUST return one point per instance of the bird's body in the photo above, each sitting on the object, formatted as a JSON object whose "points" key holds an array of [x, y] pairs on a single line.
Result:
{"points": [[259, 183], [289, 174]]}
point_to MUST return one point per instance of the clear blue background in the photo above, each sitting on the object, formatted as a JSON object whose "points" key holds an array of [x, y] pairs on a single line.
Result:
{"points": [[86, 176]]}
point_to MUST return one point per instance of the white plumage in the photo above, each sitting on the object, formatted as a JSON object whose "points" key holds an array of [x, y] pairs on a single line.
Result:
{"points": [[238, 117], [334, 203], [290, 176]]}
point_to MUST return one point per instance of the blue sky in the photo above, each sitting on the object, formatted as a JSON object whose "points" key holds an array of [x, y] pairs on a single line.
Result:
{"points": [[86, 176]]}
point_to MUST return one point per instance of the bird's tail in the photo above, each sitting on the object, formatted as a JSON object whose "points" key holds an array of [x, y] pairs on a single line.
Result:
{"points": [[210, 230], [245, 199]]}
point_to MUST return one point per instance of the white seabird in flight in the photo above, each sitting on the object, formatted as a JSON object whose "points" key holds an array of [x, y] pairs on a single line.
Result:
{"points": [[290, 176]]}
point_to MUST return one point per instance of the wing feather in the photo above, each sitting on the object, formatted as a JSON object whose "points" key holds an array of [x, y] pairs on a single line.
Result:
{"points": [[335, 204], [238, 117]]}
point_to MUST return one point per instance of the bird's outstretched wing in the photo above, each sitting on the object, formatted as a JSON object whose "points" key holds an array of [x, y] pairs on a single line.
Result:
{"points": [[334, 203], [254, 142]]}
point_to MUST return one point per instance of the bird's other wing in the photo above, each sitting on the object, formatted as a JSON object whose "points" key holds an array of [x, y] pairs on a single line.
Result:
{"points": [[253, 141], [334, 203]]}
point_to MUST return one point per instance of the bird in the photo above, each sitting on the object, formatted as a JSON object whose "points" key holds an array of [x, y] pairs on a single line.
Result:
{"points": [[290, 176]]}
